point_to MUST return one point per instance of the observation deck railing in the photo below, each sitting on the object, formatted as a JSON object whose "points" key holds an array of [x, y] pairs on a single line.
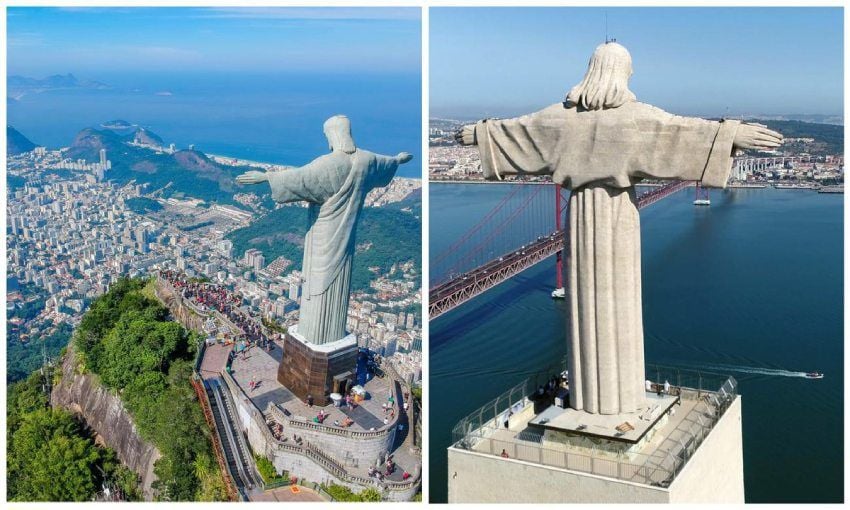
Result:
{"points": [[711, 393]]}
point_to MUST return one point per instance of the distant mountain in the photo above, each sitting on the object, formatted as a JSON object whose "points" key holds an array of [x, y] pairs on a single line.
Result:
{"points": [[195, 161], [89, 141], [813, 118], [16, 143], [17, 86], [146, 137], [188, 172], [829, 138]]}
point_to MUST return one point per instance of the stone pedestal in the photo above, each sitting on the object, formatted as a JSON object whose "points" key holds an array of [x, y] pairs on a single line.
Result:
{"points": [[317, 370]]}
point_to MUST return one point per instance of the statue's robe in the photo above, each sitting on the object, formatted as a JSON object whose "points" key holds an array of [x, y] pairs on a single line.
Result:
{"points": [[600, 155], [335, 186]]}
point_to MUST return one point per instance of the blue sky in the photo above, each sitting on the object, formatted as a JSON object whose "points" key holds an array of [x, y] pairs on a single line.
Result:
{"points": [[95, 41], [709, 61]]}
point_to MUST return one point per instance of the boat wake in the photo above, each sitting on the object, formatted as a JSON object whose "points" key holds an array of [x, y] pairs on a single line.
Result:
{"points": [[776, 372]]}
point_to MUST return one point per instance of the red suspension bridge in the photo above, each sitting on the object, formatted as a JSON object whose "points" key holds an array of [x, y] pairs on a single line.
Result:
{"points": [[483, 257]]}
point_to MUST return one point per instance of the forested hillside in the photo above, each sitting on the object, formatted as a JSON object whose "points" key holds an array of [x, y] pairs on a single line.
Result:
{"points": [[128, 342]]}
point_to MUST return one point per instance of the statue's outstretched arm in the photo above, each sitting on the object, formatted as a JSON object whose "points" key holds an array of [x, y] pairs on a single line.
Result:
{"points": [[292, 184], [252, 177], [756, 137], [525, 145], [403, 157], [466, 135], [300, 183]]}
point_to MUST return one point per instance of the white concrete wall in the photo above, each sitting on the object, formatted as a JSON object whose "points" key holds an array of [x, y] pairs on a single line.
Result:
{"points": [[480, 478], [303, 467], [347, 451], [715, 474]]}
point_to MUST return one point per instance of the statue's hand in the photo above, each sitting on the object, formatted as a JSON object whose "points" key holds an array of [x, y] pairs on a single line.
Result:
{"points": [[252, 177], [757, 137], [404, 157], [466, 135]]}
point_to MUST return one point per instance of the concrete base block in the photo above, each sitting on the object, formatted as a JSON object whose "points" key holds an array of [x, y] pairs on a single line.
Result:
{"points": [[715, 474], [317, 370]]}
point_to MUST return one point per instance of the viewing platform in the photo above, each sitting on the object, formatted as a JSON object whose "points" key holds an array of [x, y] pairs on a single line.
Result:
{"points": [[350, 445], [259, 365], [663, 453], [346, 445]]}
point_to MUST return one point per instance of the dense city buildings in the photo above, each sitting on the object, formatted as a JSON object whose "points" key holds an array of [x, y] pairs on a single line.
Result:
{"points": [[73, 232]]}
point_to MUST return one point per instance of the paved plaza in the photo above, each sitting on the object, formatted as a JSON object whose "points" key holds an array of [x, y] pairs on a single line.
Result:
{"points": [[260, 365], [215, 360], [655, 453]]}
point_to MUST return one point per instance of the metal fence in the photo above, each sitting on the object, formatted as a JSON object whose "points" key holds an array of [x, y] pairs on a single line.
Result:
{"points": [[487, 416], [711, 392], [634, 467]]}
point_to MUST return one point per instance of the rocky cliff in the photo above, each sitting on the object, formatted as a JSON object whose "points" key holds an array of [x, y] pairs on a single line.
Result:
{"points": [[179, 308], [104, 413]]}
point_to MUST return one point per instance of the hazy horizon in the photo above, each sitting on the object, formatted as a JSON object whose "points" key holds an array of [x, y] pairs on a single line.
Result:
{"points": [[253, 83], [44, 41]]}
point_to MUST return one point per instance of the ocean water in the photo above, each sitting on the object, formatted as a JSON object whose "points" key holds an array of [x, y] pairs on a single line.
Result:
{"points": [[272, 118], [751, 287]]}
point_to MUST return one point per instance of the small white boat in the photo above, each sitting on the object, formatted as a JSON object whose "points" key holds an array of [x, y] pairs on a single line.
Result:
{"points": [[559, 293], [702, 201], [814, 375]]}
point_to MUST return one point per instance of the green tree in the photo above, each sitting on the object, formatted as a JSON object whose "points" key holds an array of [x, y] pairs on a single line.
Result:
{"points": [[50, 460], [119, 476], [343, 493], [138, 345], [176, 424], [24, 397], [370, 494], [212, 486], [267, 469], [127, 340]]}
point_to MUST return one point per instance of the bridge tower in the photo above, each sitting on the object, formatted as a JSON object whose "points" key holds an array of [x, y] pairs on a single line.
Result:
{"points": [[559, 277], [561, 205]]}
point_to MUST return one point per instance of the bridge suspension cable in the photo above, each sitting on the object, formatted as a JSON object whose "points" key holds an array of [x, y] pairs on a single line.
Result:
{"points": [[478, 226], [500, 228], [523, 212], [532, 222]]}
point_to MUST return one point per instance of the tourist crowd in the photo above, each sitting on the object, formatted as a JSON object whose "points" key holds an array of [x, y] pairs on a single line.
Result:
{"points": [[219, 298]]}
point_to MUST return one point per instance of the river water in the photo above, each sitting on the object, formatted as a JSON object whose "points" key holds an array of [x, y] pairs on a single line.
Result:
{"points": [[750, 287]]}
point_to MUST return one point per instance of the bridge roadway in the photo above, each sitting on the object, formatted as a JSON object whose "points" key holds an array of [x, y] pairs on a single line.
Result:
{"points": [[463, 287]]}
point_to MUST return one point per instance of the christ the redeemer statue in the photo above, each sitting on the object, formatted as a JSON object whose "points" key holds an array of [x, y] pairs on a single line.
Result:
{"points": [[334, 185], [599, 143]]}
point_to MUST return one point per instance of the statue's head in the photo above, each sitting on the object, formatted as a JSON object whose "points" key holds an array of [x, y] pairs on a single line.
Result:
{"points": [[606, 83], [338, 131]]}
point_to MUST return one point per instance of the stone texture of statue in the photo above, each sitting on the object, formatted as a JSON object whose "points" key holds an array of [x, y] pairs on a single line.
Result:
{"points": [[599, 143], [334, 186]]}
